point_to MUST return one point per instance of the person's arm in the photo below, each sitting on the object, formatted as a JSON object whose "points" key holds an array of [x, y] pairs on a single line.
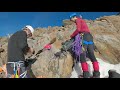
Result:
{"points": [[22, 41], [78, 26]]}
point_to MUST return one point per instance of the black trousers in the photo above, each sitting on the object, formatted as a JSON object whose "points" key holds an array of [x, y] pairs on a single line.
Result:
{"points": [[89, 49]]}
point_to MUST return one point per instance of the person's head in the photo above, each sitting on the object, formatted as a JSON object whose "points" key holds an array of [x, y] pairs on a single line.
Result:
{"points": [[73, 17], [29, 30]]}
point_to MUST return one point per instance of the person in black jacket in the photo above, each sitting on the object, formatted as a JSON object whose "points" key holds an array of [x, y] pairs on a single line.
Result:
{"points": [[17, 48]]}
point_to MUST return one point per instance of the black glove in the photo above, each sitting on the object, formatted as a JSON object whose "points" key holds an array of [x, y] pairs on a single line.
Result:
{"points": [[33, 52], [29, 61]]}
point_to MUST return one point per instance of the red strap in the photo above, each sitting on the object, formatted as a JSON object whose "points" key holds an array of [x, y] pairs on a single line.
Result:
{"points": [[48, 46]]}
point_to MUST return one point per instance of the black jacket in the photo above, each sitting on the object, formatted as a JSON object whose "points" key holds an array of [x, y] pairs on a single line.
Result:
{"points": [[17, 45]]}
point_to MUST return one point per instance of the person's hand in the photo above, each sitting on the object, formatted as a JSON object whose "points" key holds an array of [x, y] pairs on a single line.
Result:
{"points": [[32, 51]]}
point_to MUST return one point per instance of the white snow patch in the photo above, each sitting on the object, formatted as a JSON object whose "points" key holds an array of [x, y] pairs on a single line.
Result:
{"points": [[104, 68]]}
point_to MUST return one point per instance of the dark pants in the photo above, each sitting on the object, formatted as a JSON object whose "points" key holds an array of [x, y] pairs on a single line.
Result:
{"points": [[10, 70], [89, 52], [89, 49]]}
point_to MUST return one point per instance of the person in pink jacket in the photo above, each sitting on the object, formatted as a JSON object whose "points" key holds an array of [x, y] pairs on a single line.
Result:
{"points": [[88, 44]]}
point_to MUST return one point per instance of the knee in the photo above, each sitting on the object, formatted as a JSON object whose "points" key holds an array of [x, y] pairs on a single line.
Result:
{"points": [[82, 58], [94, 60], [90, 50]]}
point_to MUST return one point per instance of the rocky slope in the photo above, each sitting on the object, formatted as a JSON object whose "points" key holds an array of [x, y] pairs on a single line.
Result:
{"points": [[104, 69], [105, 31]]}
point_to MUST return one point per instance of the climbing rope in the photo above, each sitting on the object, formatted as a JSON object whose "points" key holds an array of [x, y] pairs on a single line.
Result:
{"points": [[16, 69], [77, 47]]}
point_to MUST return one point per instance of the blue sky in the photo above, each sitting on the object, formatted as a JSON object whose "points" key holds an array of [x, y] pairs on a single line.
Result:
{"points": [[11, 22]]}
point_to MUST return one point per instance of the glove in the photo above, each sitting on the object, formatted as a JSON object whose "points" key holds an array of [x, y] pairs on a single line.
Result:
{"points": [[32, 51]]}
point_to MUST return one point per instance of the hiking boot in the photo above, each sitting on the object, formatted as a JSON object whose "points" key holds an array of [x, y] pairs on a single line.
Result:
{"points": [[80, 76], [86, 74], [96, 74]]}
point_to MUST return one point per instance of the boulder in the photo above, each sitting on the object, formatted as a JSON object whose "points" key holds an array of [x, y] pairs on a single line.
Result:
{"points": [[106, 33]]}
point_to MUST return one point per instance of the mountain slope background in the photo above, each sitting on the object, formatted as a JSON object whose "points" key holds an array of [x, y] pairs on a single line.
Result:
{"points": [[106, 33]]}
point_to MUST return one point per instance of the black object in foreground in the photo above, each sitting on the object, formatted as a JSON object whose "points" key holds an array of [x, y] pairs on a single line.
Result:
{"points": [[113, 74]]}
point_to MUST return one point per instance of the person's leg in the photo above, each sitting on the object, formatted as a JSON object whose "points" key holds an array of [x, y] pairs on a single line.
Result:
{"points": [[10, 71], [23, 72], [92, 57], [84, 64]]}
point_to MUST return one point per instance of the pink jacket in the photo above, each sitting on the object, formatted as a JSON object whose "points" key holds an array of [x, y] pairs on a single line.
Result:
{"points": [[81, 27]]}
